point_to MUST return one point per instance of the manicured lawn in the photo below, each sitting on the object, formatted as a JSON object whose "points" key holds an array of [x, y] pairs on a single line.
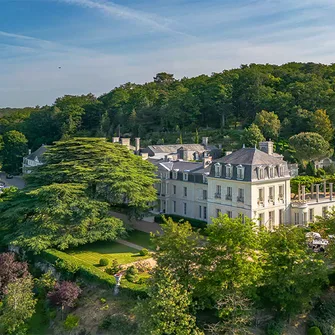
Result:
{"points": [[140, 238], [92, 253]]}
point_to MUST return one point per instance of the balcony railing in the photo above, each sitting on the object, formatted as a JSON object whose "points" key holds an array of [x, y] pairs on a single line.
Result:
{"points": [[217, 195], [240, 199], [229, 197], [260, 201]]}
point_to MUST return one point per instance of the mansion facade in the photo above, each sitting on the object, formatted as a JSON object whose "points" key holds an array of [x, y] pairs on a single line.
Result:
{"points": [[248, 182]]}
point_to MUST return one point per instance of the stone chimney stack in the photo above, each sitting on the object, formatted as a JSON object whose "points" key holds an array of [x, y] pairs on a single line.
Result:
{"points": [[29, 151], [137, 144], [116, 139], [205, 141], [266, 147], [125, 142]]}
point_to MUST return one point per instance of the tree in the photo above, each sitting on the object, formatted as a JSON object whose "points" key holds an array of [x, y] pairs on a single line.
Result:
{"points": [[310, 146], [10, 270], [110, 172], [252, 136], [292, 274], [57, 215], [65, 294], [230, 263], [178, 250], [164, 78], [321, 124], [268, 123], [18, 305], [168, 307], [14, 148]]}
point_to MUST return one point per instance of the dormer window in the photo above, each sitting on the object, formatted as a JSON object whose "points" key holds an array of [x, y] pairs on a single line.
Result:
{"points": [[174, 174], [240, 172], [204, 179], [281, 170], [271, 171], [229, 171], [218, 170], [261, 172], [185, 176]]}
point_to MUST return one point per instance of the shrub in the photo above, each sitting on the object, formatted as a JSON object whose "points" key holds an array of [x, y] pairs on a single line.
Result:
{"points": [[103, 262], [103, 300], [115, 267], [275, 327], [68, 268], [176, 218], [131, 274], [71, 322], [314, 331], [144, 252]]}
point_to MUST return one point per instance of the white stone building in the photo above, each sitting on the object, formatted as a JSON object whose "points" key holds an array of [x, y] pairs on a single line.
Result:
{"points": [[33, 159], [249, 182]]}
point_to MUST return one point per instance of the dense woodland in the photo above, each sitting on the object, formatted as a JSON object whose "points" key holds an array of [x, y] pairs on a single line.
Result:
{"points": [[170, 110]]}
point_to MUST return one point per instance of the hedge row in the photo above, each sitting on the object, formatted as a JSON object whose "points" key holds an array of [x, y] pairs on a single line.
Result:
{"points": [[177, 218], [89, 272]]}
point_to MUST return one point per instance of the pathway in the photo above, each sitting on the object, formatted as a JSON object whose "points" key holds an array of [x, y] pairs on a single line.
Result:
{"points": [[16, 181], [129, 244]]}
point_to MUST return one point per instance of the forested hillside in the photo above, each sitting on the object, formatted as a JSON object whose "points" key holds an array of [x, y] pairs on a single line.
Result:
{"points": [[167, 110]]}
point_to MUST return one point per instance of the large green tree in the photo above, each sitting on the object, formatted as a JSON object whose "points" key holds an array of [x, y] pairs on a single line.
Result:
{"points": [[252, 136], [321, 124], [292, 274], [310, 146], [14, 148], [268, 123]]}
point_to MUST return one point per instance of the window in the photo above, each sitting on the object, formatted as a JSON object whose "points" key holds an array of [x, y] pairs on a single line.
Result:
{"points": [[174, 207], [240, 196], [281, 192], [218, 211], [185, 208], [281, 216], [304, 218], [240, 172], [261, 219], [218, 192], [229, 171], [204, 194], [324, 211], [185, 176], [311, 215], [260, 172], [205, 212], [229, 193], [185, 191], [271, 219], [200, 212], [296, 218], [242, 216], [271, 193], [174, 189], [260, 195], [271, 172], [218, 170], [281, 170], [230, 214], [174, 174]]}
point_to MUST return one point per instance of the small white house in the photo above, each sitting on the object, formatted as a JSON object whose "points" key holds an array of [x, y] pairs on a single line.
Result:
{"points": [[33, 159]]}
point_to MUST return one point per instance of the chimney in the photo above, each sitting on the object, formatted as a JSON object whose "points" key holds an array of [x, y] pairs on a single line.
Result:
{"points": [[205, 141], [266, 147], [29, 151], [137, 144], [125, 142], [228, 153], [116, 139], [144, 155]]}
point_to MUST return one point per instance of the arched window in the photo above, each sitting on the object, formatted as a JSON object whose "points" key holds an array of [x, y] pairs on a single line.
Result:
{"points": [[271, 170], [218, 170], [229, 171], [240, 172]]}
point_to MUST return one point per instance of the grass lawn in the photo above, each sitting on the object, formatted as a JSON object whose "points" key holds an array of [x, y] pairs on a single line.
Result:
{"points": [[140, 238], [92, 253]]}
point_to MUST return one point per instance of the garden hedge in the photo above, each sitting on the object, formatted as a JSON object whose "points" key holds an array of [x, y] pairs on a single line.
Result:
{"points": [[177, 218]]}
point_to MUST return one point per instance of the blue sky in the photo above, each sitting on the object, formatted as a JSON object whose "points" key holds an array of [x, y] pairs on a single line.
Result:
{"points": [[101, 44]]}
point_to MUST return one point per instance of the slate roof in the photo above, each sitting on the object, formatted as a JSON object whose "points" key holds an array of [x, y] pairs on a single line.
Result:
{"points": [[173, 148], [182, 165], [250, 156], [38, 153]]}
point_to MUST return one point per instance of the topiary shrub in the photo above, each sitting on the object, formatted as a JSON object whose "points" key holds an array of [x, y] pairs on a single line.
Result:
{"points": [[314, 331], [71, 322], [131, 274], [103, 262], [144, 252]]}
